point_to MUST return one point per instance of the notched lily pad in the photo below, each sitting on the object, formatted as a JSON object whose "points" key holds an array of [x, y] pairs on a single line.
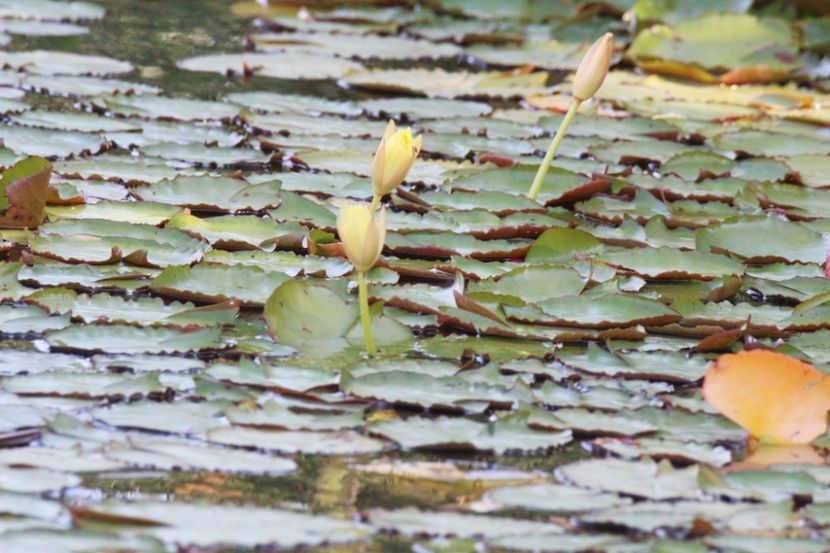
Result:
{"points": [[507, 434], [736, 48]]}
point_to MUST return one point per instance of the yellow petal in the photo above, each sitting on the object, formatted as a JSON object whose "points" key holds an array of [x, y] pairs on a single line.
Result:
{"points": [[377, 167], [777, 398], [389, 131], [380, 225], [417, 144]]}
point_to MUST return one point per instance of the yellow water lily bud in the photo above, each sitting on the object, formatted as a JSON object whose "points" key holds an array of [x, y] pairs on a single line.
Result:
{"points": [[593, 68], [393, 160], [362, 235]]}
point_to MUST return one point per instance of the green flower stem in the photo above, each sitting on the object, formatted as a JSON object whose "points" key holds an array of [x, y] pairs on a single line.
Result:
{"points": [[375, 203], [552, 149], [365, 318]]}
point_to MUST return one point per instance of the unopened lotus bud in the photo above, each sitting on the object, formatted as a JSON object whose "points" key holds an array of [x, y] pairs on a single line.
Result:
{"points": [[394, 158], [593, 68], [362, 235]]}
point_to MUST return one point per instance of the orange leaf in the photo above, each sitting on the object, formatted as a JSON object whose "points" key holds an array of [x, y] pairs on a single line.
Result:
{"points": [[777, 398], [755, 74]]}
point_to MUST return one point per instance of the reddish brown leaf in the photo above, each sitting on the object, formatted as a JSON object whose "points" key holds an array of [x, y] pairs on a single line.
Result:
{"points": [[25, 187]]}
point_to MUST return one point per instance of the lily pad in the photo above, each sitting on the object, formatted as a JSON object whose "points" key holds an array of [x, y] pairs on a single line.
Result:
{"points": [[784, 241], [225, 193], [282, 65], [645, 479], [438, 83], [694, 47], [45, 62], [217, 283], [129, 339], [204, 525], [507, 434]]}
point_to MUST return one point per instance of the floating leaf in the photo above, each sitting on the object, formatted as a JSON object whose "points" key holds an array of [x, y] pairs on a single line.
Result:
{"points": [[45, 62], [25, 186], [129, 339], [507, 434], [764, 240], [438, 83], [645, 479], [205, 525], [745, 47], [412, 522], [283, 65], [225, 193], [217, 283], [301, 314], [777, 398], [555, 498]]}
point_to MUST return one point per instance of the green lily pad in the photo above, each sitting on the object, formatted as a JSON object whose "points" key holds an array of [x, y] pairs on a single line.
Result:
{"points": [[129, 339], [438, 83], [144, 311], [140, 213], [205, 525], [720, 42], [292, 320], [591, 422], [172, 454], [154, 107], [812, 169], [51, 143], [287, 65], [605, 311], [282, 377], [297, 103], [345, 442], [672, 264], [783, 241], [46, 62], [555, 498], [412, 522], [217, 283], [645, 479], [50, 10], [424, 390], [673, 12], [770, 144], [530, 284], [506, 434], [23, 320], [225, 193], [666, 365], [666, 449], [102, 241]]}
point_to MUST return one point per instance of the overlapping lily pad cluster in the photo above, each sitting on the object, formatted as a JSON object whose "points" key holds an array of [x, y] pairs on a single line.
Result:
{"points": [[186, 306]]}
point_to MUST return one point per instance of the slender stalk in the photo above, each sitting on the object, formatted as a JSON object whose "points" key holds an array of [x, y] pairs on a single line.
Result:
{"points": [[375, 203], [552, 149], [365, 319]]}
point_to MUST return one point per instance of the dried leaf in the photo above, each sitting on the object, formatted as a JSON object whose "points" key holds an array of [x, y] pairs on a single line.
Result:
{"points": [[25, 186]]}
